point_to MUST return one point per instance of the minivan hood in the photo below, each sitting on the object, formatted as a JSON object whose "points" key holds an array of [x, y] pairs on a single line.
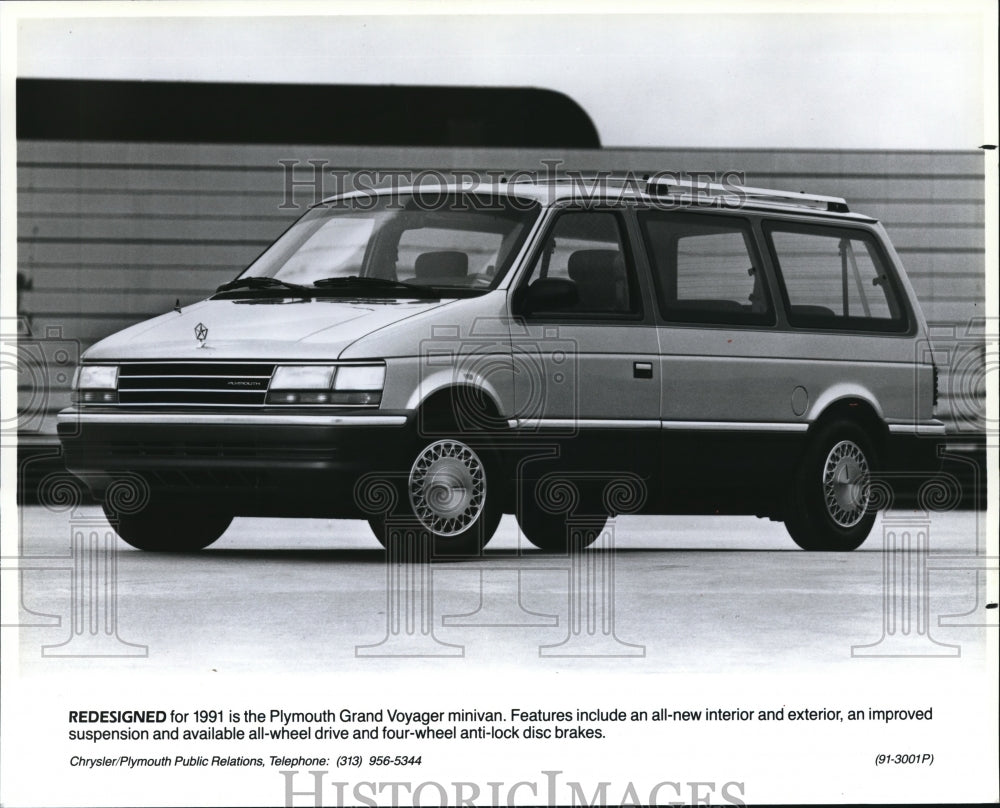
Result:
{"points": [[258, 328]]}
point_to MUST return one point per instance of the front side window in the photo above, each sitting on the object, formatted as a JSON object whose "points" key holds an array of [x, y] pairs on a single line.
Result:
{"points": [[835, 278], [705, 269], [585, 251]]}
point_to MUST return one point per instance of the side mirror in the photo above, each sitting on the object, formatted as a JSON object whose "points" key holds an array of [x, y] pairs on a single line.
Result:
{"points": [[547, 294]]}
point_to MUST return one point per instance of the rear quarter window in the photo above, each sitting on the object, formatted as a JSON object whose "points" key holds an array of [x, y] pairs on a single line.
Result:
{"points": [[835, 278]]}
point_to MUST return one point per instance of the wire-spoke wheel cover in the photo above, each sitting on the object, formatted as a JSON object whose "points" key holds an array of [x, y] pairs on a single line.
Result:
{"points": [[846, 484], [447, 487]]}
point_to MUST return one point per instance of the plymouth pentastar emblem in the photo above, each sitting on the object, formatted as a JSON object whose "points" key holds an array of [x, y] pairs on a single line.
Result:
{"points": [[201, 334]]}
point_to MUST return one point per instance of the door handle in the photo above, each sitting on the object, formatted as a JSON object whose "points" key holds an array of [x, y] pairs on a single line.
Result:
{"points": [[642, 370]]}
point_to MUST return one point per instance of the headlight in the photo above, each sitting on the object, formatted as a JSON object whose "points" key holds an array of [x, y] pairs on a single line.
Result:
{"points": [[95, 384], [302, 377], [360, 377], [330, 385]]}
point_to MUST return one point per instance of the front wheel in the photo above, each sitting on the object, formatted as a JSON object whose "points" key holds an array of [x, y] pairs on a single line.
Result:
{"points": [[831, 503], [556, 533], [452, 493], [167, 526]]}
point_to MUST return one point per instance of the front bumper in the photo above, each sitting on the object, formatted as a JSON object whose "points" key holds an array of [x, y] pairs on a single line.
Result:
{"points": [[263, 463]]}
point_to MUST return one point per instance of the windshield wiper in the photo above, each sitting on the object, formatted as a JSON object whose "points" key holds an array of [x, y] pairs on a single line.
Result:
{"points": [[258, 282], [374, 283]]}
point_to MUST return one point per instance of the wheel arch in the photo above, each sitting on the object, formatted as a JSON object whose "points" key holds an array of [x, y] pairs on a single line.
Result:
{"points": [[438, 384], [470, 407], [857, 409]]}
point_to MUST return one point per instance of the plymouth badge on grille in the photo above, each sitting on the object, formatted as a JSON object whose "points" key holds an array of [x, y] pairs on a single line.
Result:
{"points": [[201, 334]]}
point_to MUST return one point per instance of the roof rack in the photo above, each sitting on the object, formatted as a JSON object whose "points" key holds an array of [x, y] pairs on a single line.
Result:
{"points": [[834, 204]]}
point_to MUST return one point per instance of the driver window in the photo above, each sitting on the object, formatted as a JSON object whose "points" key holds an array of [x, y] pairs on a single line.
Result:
{"points": [[587, 248]]}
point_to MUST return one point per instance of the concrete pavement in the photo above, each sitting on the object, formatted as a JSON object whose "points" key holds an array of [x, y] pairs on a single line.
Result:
{"points": [[677, 594]]}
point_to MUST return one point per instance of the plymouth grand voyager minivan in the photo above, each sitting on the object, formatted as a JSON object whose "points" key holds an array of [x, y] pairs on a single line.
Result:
{"points": [[563, 351]]}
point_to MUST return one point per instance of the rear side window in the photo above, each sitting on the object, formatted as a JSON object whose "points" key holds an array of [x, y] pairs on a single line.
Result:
{"points": [[836, 278], [705, 269]]}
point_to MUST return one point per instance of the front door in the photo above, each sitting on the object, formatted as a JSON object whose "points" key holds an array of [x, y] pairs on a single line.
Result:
{"points": [[586, 373]]}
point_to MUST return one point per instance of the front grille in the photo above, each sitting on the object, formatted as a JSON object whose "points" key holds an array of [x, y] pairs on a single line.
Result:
{"points": [[198, 384]]}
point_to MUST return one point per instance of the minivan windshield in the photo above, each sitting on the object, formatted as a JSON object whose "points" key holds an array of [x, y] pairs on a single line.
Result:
{"points": [[395, 246]]}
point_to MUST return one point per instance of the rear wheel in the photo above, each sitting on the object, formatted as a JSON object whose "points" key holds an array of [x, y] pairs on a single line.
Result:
{"points": [[169, 525], [451, 493], [830, 507]]}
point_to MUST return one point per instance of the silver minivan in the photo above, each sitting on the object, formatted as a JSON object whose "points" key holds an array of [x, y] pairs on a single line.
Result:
{"points": [[431, 358]]}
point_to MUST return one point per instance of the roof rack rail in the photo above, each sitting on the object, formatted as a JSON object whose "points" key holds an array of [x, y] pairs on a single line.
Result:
{"points": [[658, 184], [834, 204]]}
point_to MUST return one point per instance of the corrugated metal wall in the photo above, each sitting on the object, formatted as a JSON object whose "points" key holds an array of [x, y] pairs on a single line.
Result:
{"points": [[112, 233]]}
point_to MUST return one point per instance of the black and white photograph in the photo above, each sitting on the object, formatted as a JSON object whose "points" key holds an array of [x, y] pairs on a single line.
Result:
{"points": [[439, 404]]}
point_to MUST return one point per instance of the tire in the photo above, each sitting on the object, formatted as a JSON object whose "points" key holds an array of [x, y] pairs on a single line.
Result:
{"points": [[830, 507], [451, 493], [549, 531], [169, 526]]}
